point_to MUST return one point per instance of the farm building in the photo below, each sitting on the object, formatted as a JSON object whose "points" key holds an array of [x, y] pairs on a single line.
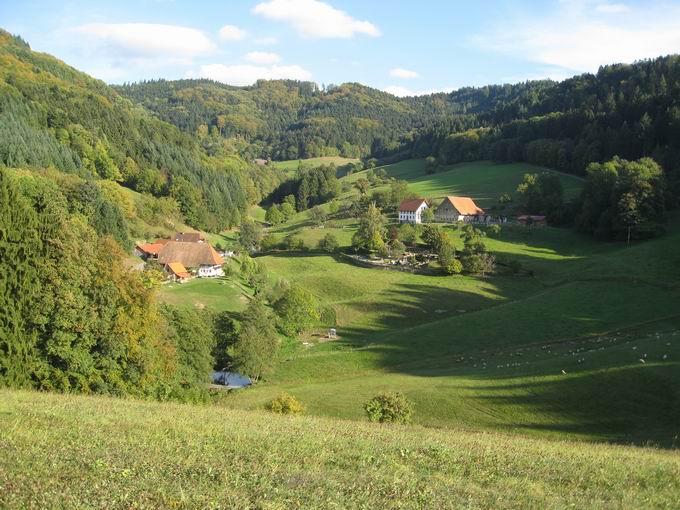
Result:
{"points": [[454, 209], [411, 210], [148, 250], [197, 256], [178, 272]]}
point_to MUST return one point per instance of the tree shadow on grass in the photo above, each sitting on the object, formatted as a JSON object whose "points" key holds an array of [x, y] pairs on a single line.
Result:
{"points": [[629, 404]]}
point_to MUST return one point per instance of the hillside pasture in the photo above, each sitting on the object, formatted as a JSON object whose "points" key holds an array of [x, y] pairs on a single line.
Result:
{"points": [[79, 451], [547, 341], [484, 181]]}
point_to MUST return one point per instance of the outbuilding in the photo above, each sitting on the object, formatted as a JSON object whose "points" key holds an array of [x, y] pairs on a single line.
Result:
{"points": [[454, 209]]}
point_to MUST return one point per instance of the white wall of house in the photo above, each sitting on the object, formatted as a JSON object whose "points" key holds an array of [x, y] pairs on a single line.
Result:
{"points": [[210, 271], [412, 216]]}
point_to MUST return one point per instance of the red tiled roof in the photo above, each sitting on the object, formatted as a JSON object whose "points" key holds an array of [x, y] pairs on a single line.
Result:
{"points": [[178, 270], [411, 204], [465, 206], [150, 248]]}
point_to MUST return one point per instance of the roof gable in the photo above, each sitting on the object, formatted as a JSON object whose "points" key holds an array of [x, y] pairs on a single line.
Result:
{"points": [[178, 269], [465, 206], [411, 204]]}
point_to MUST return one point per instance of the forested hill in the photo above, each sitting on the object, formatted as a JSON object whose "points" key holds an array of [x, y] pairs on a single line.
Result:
{"points": [[629, 110], [52, 115], [289, 119], [624, 110]]}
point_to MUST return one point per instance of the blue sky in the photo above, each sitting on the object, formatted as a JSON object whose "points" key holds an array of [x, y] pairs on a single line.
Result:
{"points": [[406, 47]]}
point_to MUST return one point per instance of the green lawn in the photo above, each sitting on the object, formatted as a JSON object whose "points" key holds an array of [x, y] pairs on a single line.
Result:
{"points": [[63, 451], [484, 181], [313, 162], [218, 294]]}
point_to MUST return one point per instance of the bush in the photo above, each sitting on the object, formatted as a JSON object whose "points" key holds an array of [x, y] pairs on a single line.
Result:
{"points": [[389, 408], [328, 243], [294, 243], [454, 266], [286, 404]]}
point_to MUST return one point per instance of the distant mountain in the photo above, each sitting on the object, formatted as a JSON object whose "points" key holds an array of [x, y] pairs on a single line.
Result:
{"points": [[290, 119]]}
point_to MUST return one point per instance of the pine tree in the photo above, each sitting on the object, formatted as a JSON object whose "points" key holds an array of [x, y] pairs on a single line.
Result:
{"points": [[19, 285]]}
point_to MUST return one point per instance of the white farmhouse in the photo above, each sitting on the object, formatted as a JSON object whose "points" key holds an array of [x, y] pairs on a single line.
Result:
{"points": [[411, 210]]}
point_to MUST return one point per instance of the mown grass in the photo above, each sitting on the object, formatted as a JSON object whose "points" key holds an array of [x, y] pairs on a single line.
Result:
{"points": [[218, 294], [499, 352], [313, 162], [63, 451], [484, 181]]}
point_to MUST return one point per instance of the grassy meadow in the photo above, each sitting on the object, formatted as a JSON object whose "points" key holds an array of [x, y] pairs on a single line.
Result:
{"points": [[587, 347], [313, 162], [64, 451]]}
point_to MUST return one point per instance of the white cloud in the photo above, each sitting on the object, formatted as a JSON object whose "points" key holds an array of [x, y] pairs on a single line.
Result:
{"points": [[232, 33], [262, 57], [581, 38], [147, 40], [612, 8], [248, 74], [398, 72], [400, 91], [315, 19], [266, 41]]}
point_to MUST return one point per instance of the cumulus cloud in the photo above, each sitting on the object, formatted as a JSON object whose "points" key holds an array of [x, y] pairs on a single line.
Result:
{"points": [[147, 39], [582, 36], [262, 57], [232, 33], [248, 74], [315, 19], [399, 91], [399, 72]]}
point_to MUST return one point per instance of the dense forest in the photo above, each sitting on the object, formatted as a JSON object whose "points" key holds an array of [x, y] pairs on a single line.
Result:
{"points": [[54, 116], [288, 119]]}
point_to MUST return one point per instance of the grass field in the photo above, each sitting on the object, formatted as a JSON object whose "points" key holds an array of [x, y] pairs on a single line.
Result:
{"points": [[218, 294], [313, 162], [587, 348], [484, 181], [60, 451], [558, 354]]}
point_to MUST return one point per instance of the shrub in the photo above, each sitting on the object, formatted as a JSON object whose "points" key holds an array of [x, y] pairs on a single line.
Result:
{"points": [[328, 243], [286, 404], [389, 408], [294, 243], [454, 266]]}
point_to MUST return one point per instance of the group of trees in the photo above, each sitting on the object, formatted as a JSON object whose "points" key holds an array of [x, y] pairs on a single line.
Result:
{"points": [[249, 342], [310, 187], [72, 318], [622, 199]]}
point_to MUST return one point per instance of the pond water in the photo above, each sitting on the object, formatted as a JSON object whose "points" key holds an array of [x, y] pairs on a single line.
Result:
{"points": [[231, 379]]}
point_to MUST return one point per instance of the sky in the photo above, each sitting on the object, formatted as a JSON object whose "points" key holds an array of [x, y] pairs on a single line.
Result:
{"points": [[403, 47]]}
